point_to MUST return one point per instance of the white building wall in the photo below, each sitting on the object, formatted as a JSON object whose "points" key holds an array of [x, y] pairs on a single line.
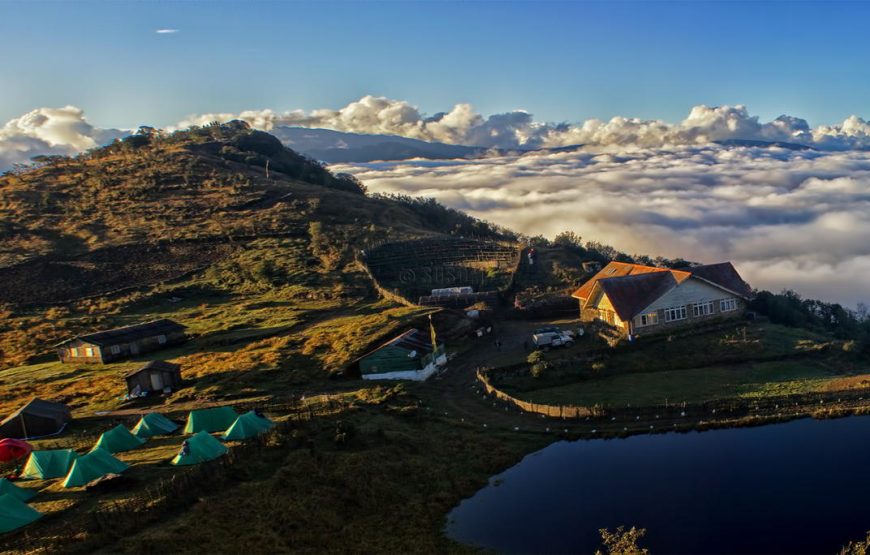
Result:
{"points": [[689, 292], [413, 375]]}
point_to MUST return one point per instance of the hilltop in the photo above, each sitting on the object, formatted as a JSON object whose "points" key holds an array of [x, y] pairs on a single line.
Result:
{"points": [[226, 205], [211, 182]]}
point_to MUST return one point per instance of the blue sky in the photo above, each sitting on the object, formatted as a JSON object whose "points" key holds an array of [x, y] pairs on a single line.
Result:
{"points": [[560, 61]]}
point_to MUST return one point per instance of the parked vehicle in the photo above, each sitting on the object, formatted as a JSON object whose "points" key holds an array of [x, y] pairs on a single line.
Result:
{"points": [[549, 339]]}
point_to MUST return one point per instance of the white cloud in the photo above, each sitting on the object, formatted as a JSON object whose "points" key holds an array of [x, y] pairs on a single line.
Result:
{"points": [[788, 219], [166, 31], [49, 131], [462, 125], [23, 137]]}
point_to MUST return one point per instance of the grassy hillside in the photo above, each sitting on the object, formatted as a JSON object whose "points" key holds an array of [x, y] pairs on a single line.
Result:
{"points": [[255, 249], [258, 251], [214, 215]]}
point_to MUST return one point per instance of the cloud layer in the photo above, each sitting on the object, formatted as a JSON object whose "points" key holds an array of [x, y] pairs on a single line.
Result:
{"points": [[788, 219], [49, 131], [65, 130], [462, 125]]}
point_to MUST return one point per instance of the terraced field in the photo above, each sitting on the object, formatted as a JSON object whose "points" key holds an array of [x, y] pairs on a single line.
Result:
{"points": [[414, 268]]}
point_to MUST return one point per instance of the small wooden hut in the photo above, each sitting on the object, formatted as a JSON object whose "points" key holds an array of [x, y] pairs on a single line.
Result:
{"points": [[154, 377]]}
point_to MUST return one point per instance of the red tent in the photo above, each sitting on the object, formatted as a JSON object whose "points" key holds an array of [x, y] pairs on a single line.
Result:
{"points": [[11, 449]]}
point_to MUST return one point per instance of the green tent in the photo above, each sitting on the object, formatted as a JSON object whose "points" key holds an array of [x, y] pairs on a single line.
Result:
{"points": [[44, 465], [118, 439], [15, 513], [89, 467], [23, 494], [217, 419], [246, 426], [154, 424], [201, 447]]}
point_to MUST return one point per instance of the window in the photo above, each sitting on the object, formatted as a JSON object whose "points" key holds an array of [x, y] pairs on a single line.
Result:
{"points": [[89, 352], [675, 313], [728, 305], [702, 309], [116, 349], [161, 339], [73, 352], [649, 319]]}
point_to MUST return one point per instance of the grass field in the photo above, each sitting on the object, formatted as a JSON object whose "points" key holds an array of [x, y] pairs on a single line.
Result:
{"points": [[739, 381], [768, 360]]}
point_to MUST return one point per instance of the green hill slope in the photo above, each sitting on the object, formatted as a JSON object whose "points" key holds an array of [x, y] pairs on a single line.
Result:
{"points": [[221, 227]]}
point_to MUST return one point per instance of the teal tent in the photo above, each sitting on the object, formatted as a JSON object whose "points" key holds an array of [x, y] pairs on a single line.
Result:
{"points": [[118, 439], [23, 494], [15, 513], [154, 424], [43, 465], [199, 448], [89, 467], [217, 419], [246, 426]]}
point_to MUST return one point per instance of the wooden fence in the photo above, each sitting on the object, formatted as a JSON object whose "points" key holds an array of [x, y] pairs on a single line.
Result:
{"points": [[820, 404], [385, 292], [553, 411]]}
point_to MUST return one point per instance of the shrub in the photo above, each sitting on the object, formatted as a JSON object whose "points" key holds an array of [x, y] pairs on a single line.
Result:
{"points": [[537, 364], [622, 541]]}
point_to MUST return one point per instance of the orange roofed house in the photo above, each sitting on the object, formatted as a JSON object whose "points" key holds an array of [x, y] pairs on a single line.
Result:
{"points": [[638, 299]]}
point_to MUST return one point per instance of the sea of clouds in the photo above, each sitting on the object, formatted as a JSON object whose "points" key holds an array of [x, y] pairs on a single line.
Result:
{"points": [[788, 218]]}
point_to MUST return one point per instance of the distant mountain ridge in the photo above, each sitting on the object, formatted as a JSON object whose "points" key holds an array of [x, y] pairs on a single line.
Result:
{"points": [[764, 144], [336, 147]]}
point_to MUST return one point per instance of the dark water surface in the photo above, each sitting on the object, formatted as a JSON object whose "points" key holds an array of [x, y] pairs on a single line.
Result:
{"points": [[798, 487]]}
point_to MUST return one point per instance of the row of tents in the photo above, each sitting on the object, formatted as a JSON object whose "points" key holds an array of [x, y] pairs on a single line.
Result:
{"points": [[201, 447], [79, 470]]}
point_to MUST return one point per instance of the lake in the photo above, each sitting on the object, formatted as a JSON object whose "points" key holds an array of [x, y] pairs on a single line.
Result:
{"points": [[797, 487]]}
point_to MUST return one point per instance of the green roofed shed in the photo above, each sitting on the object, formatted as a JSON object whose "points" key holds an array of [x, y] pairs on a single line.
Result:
{"points": [[44, 465], [154, 424], [15, 513], [94, 465], [118, 439], [246, 426], [23, 494], [198, 449], [217, 419]]}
